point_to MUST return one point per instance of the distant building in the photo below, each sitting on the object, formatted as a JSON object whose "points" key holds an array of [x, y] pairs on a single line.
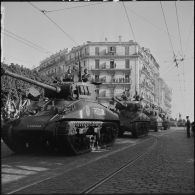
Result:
{"points": [[164, 96], [118, 65]]}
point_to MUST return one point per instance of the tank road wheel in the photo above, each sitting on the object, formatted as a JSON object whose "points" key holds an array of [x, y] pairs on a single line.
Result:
{"points": [[77, 144], [156, 128], [142, 129], [108, 134], [120, 132], [135, 130], [15, 143]]}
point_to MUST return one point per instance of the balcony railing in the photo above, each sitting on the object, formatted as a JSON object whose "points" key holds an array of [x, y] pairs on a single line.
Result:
{"points": [[111, 69], [114, 81]]}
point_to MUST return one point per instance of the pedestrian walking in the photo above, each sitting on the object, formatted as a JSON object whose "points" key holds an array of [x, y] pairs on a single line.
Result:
{"points": [[188, 124]]}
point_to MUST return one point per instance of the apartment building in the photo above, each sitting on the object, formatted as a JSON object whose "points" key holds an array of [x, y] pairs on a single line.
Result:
{"points": [[164, 96], [117, 65]]}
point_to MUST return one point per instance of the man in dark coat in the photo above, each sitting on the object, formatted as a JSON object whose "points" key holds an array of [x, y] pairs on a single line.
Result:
{"points": [[188, 126]]}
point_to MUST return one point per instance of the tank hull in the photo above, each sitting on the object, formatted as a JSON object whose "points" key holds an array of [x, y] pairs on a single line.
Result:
{"points": [[156, 123], [135, 122], [72, 132], [166, 125]]}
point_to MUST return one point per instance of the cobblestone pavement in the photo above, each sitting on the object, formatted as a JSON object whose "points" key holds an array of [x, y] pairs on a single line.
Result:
{"points": [[79, 179], [167, 168]]}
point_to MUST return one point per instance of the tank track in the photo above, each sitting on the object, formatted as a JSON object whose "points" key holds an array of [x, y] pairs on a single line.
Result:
{"points": [[137, 128], [70, 137]]}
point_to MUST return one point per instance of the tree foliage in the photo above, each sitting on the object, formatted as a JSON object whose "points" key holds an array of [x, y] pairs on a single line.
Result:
{"points": [[17, 87]]}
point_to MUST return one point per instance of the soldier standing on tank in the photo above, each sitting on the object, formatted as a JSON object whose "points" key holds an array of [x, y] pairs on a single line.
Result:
{"points": [[86, 76], [125, 95], [136, 96], [188, 124], [69, 75]]}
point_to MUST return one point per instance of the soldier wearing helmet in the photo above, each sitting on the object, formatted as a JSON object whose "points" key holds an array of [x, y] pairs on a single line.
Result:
{"points": [[86, 76]]}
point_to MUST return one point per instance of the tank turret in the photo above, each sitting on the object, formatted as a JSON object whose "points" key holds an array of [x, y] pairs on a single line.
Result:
{"points": [[71, 120]]}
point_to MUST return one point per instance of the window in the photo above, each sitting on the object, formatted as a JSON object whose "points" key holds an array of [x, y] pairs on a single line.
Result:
{"points": [[112, 49], [97, 64], [96, 78], [112, 65], [97, 52], [127, 50], [127, 78], [127, 63]]}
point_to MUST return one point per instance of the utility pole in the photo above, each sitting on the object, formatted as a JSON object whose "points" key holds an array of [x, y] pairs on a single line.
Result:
{"points": [[79, 68]]}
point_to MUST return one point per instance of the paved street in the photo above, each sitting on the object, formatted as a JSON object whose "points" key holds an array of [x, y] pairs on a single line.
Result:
{"points": [[168, 168], [161, 163]]}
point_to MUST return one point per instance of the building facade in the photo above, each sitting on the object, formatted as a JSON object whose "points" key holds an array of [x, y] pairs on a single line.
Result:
{"points": [[117, 65], [164, 96]]}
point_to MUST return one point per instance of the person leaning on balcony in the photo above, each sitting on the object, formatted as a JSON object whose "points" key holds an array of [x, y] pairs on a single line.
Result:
{"points": [[86, 76]]}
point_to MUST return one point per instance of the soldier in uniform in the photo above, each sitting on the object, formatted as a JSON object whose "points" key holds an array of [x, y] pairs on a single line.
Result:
{"points": [[125, 95], [86, 76], [136, 96], [69, 75], [188, 126]]}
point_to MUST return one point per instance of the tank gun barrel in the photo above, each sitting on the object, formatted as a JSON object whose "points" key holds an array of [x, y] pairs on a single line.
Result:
{"points": [[17, 76]]}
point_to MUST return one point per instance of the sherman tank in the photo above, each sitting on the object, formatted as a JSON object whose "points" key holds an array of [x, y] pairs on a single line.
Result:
{"points": [[156, 123], [165, 121], [132, 118], [71, 120]]}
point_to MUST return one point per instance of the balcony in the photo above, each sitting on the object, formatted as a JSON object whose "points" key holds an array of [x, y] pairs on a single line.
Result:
{"points": [[103, 68], [121, 81]]}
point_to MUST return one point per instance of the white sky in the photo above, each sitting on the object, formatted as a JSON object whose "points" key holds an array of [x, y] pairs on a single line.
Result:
{"points": [[108, 19]]}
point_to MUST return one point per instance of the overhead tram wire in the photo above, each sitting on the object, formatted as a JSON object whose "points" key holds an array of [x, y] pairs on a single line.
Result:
{"points": [[22, 41], [56, 10], [180, 43], [44, 13], [147, 20], [188, 37], [35, 45], [175, 60], [169, 69], [168, 31], [131, 32], [129, 21]]}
